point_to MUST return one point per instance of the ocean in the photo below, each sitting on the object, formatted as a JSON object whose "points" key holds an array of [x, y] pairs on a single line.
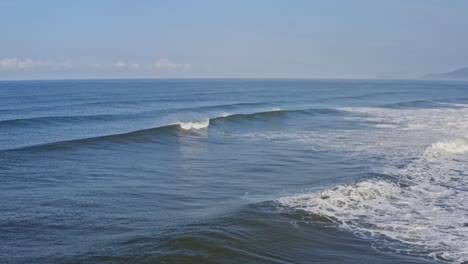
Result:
{"points": [[233, 171]]}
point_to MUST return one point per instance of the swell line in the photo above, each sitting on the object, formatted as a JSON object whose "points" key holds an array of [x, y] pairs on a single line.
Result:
{"points": [[174, 128], [46, 120], [12, 122]]}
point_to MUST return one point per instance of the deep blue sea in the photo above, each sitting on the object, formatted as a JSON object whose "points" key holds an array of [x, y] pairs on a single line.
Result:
{"points": [[233, 171]]}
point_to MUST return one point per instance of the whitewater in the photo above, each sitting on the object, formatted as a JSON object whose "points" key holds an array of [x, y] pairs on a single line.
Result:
{"points": [[419, 207]]}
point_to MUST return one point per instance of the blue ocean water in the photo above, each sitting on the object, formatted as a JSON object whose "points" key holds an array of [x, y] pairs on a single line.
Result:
{"points": [[233, 171]]}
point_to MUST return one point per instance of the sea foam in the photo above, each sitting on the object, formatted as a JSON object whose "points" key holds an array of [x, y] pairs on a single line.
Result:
{"points": [[459, 145], [195, 124], [419, 208]]}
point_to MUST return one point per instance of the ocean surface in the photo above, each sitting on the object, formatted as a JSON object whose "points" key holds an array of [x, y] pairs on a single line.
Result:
{"points": [[233, 171]]}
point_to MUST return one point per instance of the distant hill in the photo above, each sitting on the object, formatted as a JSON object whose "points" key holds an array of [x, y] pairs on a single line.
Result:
{"points": [[460, 74]]}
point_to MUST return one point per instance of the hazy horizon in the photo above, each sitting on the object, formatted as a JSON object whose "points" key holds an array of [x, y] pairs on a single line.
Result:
{"points": [[210, 39]]}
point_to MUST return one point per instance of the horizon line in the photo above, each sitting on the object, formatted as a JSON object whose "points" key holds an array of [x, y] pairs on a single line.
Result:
{"points": [[228, 78]]}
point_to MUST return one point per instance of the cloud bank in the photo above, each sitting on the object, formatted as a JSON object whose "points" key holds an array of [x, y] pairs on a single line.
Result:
{"points": [[19, 64], [158, 65], [118, 65], [15, 64], [31, 68]]}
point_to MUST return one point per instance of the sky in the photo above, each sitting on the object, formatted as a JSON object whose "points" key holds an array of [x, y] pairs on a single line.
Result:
{"points": [[56, 39]]}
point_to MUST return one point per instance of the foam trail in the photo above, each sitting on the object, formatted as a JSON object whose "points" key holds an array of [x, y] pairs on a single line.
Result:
{"points": [[424, 212]]}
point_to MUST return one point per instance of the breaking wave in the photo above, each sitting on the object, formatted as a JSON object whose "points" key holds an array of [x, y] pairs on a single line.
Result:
{"points": [[459, 145], [419, 206], [195, 125]]}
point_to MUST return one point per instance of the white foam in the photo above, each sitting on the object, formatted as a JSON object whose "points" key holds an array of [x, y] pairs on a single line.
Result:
{"points": [[421, 208], [459, 145], [195, 124], [205, 122]]}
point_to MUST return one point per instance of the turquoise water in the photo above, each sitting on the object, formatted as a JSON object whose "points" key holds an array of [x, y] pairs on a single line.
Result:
{"points": [[233, 171]]}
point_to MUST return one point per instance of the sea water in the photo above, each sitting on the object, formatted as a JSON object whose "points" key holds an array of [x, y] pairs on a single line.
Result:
{"points": [[233, 171]]}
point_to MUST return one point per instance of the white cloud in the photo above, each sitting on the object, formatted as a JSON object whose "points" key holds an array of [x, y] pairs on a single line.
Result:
{"points": [[165, 64], [118, 65], [161, 64], [12, 64], [20, 64]]}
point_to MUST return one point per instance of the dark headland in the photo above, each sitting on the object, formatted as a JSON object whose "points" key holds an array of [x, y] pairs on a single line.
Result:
{"points": [[459, 74]]}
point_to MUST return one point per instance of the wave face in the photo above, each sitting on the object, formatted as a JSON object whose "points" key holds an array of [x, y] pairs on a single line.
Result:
{"points": [[419, 207]]}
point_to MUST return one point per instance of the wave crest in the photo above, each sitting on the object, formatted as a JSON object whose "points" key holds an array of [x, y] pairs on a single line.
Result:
{"points": [[459, 145], [195, 124]]}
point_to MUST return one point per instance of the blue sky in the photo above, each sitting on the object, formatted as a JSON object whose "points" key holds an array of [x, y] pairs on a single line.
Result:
{"points": [[244, 38]]}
